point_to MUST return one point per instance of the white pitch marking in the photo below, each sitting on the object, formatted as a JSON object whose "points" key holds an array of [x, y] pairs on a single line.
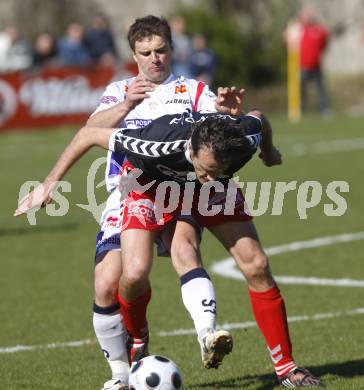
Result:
{"points": [[228, 269], [329, 146], [252, 324], [22, 348], [182, 332]]}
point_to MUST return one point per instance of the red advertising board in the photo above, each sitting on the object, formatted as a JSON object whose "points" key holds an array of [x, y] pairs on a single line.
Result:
{"points": [[53, 96]]}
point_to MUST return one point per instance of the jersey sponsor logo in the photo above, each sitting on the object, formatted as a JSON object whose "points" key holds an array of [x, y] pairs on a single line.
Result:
{"points": [[111, 221], [179, 101], [182, 118], [180, 89], [137, 122], [113, 240], [189, 119], [108, 100]]}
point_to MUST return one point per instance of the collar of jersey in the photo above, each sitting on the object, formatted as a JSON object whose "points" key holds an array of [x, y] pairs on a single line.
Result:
{"points": [[170, 78]]}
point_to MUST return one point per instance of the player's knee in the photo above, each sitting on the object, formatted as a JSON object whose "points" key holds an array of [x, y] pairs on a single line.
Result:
{"points": [[105, 289], [260, 265], [135, 275], [255, 265]]}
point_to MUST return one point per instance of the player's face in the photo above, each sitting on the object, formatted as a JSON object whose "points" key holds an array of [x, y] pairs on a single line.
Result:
{"points": [[206, 167], [153, 56]]}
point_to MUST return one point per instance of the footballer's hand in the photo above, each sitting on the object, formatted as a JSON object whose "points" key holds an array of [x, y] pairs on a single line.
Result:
{"points": [[137, 91], [229, 100], [271, 157], [39, 197]]}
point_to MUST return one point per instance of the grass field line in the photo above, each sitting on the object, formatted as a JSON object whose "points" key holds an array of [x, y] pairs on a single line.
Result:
{"points": [[329, 146], [23, 348], [183, 332], [252, 324], [227, 268]]}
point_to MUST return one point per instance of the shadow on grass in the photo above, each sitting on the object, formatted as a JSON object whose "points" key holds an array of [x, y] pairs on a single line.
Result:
{"points": [[37, 229], [264, 382], [349, 369]]}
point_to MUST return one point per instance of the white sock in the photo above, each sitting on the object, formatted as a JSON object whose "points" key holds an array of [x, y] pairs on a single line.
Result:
{"points": [[198, 295], [111, 334]]}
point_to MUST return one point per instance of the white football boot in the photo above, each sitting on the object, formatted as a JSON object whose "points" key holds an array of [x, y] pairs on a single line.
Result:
{"points": [[214, 346]]}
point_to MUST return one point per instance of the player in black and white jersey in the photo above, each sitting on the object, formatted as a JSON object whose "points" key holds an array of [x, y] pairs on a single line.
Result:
{"points": [[169, 158], [213, 147]]}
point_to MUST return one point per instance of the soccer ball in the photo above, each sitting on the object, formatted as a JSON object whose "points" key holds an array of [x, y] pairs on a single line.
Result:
{"points": [[155, 372]]}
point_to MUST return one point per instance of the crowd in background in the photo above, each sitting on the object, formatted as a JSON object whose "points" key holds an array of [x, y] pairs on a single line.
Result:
{"points": [[78, 47], [191, 55], [83, 47]]}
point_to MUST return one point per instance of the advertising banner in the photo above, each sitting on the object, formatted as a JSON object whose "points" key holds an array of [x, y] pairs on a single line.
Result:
{"points": [[54, 96]]}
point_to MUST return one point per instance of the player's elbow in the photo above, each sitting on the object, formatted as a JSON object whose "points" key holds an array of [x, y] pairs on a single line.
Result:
{"points": [[92, 121], [85, 138]]}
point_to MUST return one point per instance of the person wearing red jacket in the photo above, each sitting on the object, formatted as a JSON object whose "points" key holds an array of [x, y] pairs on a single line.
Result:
{"points": [[314, 39]]}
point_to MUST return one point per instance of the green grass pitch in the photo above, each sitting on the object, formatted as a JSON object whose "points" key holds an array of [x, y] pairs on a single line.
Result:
{"points": [[46, 276]]}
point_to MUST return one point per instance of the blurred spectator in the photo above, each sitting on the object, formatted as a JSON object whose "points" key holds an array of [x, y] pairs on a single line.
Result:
{"points": [[100, 42], [72, 50], [45, 50], [182, 47], [15, 52], [314, 38], [203, 60]]}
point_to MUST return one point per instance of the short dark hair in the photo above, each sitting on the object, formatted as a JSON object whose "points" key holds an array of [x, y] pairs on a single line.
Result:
{"points": [[147, 26], [225, 139]]}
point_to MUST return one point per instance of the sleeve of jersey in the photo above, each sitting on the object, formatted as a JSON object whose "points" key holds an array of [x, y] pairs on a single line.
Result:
{"points": [[206, 101], [254, 130], [111, 96], [121, 140], [158, 139]]}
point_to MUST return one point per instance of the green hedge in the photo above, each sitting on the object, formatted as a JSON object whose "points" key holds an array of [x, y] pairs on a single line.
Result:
{"points": [[245, 58]]}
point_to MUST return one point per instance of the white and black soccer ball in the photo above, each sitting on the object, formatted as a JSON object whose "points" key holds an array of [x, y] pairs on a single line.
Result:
{"points": [[155, 373]]}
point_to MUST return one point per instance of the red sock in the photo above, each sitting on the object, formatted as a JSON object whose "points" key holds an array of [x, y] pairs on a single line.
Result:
{"points": [[270, 314], [134, 314]]}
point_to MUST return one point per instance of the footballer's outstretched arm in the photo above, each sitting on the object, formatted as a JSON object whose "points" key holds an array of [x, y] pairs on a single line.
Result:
{"points": [[269, 154], [84, 139]]}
